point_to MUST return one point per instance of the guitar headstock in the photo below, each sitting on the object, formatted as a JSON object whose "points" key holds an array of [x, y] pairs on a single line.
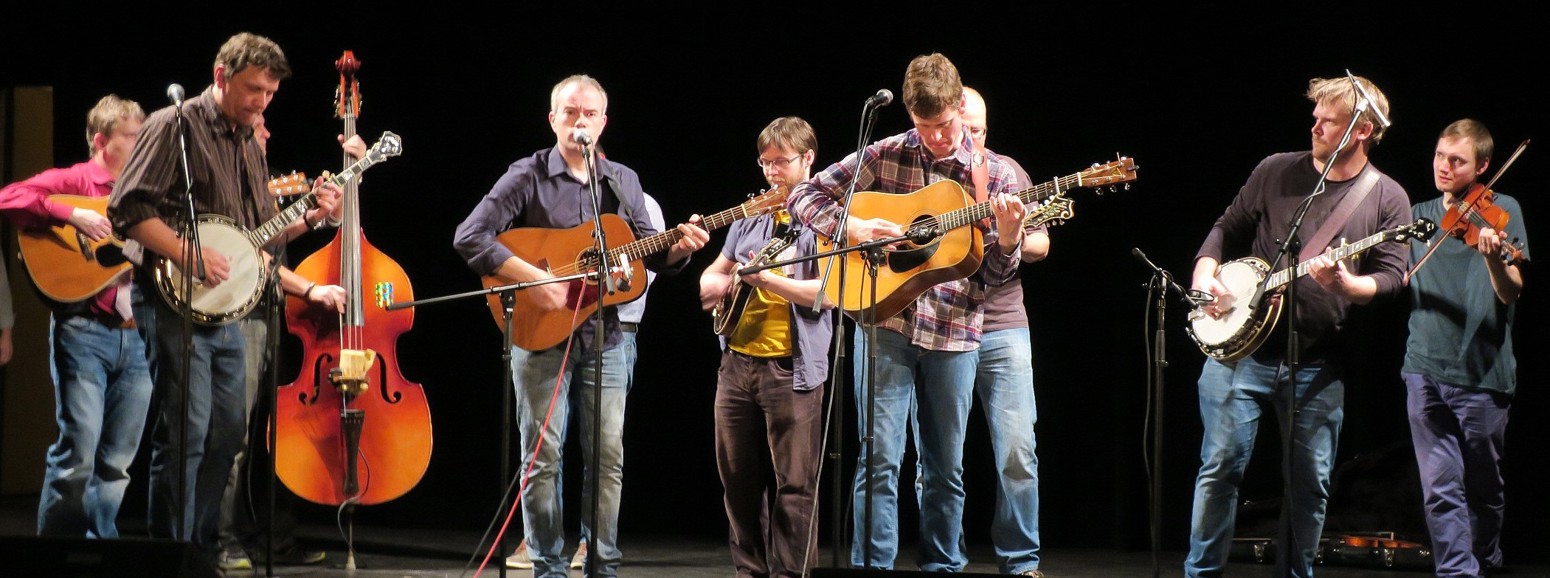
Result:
{"points": [[1053, 211], [291, 184], [389, 145], [766, 202], [347, 98], [1422, 230], [1108, 174]]}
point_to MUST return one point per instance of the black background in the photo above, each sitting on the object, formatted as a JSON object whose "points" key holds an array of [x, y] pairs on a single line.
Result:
{"points": [[1197, 101]]}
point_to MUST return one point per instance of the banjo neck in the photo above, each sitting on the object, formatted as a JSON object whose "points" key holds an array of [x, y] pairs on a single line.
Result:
{"points": [[1281, 278]]}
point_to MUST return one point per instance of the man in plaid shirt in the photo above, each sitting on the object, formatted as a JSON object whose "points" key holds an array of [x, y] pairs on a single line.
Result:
{"points": [[936, 336]]}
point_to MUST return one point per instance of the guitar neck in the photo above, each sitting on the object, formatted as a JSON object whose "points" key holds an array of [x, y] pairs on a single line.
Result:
{"points": [[660, 242], [1038, 193], [1285, 276]]}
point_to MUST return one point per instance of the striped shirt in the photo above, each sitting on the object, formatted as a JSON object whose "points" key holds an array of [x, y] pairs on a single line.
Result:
{"points": [[948, 316]]}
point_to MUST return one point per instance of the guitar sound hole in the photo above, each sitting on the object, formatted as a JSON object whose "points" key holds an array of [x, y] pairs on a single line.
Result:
{"points": [[907, 256]]}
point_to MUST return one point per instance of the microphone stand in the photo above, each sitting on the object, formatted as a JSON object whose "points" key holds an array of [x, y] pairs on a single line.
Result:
{"points": [[607, 283], [508, 304], [874, 257], [1160, 283], [1290, 253], [272, 391], [841, 239], [192, 253]]}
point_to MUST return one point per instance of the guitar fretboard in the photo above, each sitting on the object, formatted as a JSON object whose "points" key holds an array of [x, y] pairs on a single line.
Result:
{"points": [[1285, 276], [659, 242], [958, 218]]}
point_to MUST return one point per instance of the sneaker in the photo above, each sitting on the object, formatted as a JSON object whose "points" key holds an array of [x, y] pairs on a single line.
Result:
{"points": [[580, 559], [294, 555], [233, 558], [1035, 573], [519, 559]]}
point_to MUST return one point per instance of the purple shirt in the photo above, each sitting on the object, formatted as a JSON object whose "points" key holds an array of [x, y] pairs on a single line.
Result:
{"points": [[539, 191], [1004, 307]]}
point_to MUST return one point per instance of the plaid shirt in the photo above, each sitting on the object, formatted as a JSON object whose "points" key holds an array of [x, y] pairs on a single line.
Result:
{"points": [[948, 316]]}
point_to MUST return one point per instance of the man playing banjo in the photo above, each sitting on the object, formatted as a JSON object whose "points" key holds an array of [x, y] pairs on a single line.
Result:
{"points": [[1235, 394], [229, 173]]}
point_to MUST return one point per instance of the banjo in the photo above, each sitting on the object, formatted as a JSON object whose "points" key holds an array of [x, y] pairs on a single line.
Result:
{"points": [[1253, 304], [234, 298]]}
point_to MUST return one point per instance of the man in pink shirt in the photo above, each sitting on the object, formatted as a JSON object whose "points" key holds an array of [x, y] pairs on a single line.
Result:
{"points": [[102, 381]]}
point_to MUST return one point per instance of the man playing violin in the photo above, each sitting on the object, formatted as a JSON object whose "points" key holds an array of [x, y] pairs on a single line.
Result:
{"points": [[1459, 371]]}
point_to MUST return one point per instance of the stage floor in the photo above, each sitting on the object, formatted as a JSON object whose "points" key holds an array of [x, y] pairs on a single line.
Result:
{"points": [[405, 553]]}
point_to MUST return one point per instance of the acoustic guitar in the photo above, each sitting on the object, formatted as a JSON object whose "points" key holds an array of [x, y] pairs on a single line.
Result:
{"points": [[941, 211], [565, 252], [67, 266]]}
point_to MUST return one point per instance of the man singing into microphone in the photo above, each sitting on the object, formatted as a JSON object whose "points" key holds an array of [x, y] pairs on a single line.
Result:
{"points": [[552, 188], [1235, 395], [936, 336]]}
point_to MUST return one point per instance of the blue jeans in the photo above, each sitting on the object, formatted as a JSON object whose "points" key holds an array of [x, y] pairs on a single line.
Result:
{"points": [[102, 392], [1233, 398], [946, 386], [1004, 385], [217, 413], [534, 375], [1459, 436], [627, 344]]}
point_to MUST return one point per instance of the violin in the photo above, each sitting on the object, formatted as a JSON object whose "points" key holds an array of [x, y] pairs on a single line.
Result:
{"points": [[1475, 211]]}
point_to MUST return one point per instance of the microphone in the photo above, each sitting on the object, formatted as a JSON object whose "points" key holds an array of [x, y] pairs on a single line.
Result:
{"points": [[923, 234], [1195, 297], [1382, 118], [582, 137], [175, 94], [883, 98]]}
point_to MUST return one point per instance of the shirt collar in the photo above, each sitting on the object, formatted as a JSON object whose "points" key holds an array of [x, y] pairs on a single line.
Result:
{"points": [[555, 166], [209, 110]]}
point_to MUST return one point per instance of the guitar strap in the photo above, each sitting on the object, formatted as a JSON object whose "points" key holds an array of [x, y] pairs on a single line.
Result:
{"points": [[980, 169], [1340, 215]]}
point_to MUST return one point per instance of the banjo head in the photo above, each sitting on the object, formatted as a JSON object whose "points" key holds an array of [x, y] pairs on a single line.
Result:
{"points": [[1242, 279]]}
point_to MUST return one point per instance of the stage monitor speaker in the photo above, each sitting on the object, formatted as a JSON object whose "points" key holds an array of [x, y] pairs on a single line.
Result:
{"points": [[870, 573], [84, 558]]}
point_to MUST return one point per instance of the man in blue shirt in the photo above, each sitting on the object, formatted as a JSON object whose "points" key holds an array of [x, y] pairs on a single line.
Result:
{"points": [[551, 188], [1460, 373]]}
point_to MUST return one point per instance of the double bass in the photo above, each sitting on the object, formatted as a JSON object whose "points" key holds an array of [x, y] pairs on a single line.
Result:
{"points": [[351, 429]]}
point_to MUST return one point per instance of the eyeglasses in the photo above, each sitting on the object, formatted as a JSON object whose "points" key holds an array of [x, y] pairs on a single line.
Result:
{"points": [[977, 132], [779, 164]]}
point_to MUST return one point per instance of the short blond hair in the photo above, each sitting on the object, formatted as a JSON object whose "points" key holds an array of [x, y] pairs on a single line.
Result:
{"points": [[1338, 92], [1476, 133], [104, 117]]}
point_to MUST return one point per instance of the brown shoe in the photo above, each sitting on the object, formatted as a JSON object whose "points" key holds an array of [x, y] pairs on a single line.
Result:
{"points": [[519, 559]]}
